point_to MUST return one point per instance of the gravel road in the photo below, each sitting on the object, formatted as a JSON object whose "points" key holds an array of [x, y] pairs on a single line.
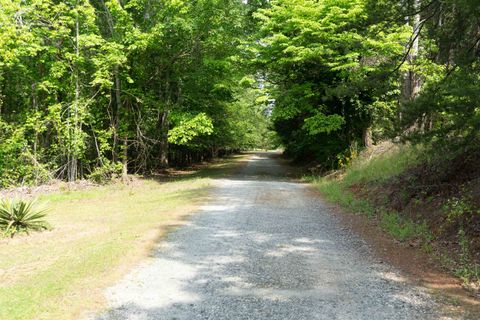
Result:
{"points": [[265, 248]]}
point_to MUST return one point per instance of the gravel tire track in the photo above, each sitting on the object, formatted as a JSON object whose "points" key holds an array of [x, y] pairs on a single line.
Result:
{"points": [[264, 248]]}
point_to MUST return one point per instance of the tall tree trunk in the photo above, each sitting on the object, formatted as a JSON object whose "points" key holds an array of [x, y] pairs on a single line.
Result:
{"points": [[411, 82], [163, 127], [118, 105], [415, 79], [72, 166], [164, 121], [116, 125], [367, 137], [35, 139], [125, 159]]}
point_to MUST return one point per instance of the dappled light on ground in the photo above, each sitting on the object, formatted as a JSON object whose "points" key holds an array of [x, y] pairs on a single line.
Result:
{"points": [[251, 254]]}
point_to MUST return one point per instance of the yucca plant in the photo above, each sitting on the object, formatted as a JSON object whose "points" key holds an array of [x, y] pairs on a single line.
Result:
{"points": [[21, 216]]}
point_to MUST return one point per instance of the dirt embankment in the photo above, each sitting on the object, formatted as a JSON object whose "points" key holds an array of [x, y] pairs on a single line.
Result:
{"points": [[444, 194]]}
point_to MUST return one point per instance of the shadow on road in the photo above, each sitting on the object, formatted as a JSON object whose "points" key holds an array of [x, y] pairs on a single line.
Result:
{"points": [[263, 248]]}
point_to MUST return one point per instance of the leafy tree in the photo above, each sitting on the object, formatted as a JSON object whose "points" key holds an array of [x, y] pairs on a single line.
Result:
{"points": [[89, 86], [328, 62], [101, 88]]}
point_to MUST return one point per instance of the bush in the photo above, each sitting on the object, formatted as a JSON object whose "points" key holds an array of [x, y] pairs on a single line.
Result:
{"points": [[106, 173], [20, 216], [403, 228]]}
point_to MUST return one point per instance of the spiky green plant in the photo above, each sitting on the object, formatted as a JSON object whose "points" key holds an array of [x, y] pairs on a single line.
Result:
{"points": [[21, 216]]}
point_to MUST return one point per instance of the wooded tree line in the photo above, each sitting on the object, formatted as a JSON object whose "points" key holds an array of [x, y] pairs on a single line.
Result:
{"points": [[345, 73], [96, 88], [93, 88]]}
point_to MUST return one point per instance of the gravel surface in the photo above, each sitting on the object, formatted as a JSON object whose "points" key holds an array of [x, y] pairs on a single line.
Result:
{"points": [[265, 248]]}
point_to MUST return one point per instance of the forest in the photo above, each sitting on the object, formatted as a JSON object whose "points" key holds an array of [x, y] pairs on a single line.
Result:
{"points": [[95, 89]]}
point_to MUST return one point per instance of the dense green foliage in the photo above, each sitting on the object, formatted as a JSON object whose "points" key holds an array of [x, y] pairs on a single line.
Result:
{"points": [[91, 88], [327, 61], [102, 87], [344, 72]]}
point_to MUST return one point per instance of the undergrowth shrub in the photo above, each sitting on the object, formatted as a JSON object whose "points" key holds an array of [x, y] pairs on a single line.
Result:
{"points": [[459, 210], [106, 173], [18, 166], [402, 228], [467, 269], [20, 216]]}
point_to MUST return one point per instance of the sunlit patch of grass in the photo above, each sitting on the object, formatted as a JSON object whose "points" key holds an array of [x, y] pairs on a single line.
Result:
{"points": [[59, 273], [335, 192], [381, 167], [368, 169]]}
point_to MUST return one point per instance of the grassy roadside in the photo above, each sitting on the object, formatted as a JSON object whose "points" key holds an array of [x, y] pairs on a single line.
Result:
{"points": [[398, 189], [97, 234], [371, 170]]}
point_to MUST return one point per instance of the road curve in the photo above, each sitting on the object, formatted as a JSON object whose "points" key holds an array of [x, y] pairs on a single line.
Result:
{"points": [[265, 248]]}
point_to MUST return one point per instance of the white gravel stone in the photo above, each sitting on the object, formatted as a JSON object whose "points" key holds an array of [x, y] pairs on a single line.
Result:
{"points": [[264, 248]]}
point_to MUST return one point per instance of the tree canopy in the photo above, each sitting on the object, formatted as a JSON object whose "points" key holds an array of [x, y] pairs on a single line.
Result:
{"points": [[96, 88]]}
